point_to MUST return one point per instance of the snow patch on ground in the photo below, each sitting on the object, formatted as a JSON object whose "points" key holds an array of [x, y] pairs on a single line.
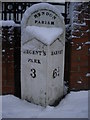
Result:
{"points": [[0, 107], [74, 105]]}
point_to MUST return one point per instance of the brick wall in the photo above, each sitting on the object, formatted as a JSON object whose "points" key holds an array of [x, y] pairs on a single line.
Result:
{"points": [[11, 39], [8, 60], [80, 51]]}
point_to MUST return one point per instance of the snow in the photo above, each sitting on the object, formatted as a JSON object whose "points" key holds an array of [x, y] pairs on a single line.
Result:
{"points": [[73, 36], [45, 35], [87, 43], [72, 43], [88, 31], [3, 50], [74, 105], [0, 107], [80, 24], [88, 75], [79, 48], [7, 23], [79, 82]]}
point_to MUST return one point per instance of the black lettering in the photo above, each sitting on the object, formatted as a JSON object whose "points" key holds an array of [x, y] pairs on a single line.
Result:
{"points": [[39, 14], [29, 52], [47, 13], [50, 15], [30, 60], [48, 23], [43, 13], [56, 72], [61, 51], [44, 53], [56, 52], [54, 17], [42, 22], [52, 23], [39, 62], [39, 52], [39, 22], [35, 60], [52, 53], [36, 21], [35, 15], [33, 73], [36, 52]]}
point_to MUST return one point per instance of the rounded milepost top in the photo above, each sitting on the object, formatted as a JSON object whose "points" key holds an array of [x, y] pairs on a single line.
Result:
{"points": [[42, 15]]}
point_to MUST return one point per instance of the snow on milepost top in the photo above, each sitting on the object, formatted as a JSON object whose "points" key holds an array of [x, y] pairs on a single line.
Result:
{"points": [[74, 105], [45, 35]]}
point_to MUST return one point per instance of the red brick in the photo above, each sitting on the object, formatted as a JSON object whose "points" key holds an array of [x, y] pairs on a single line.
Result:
{"points": [[4, 73], [76, 76], [84, 28], [87, 22], [10, 52], [10, 83], [74, 58], [79, 64], [86, 34], [76, 33], [10, 69], [79, 86], [83, 69], [82, 51], [80, 40], [79, 58], [75, 68], [8, 90], [84, 57]]}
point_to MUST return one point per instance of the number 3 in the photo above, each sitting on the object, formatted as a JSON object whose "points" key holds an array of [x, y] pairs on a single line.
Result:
{"points": [[33, 73]]}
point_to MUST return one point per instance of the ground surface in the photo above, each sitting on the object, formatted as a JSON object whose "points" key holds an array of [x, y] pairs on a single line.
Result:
{"points": [[74, 105]]}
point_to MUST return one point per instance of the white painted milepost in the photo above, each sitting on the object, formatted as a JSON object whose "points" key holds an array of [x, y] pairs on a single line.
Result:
{"points": [[42, 54]]}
